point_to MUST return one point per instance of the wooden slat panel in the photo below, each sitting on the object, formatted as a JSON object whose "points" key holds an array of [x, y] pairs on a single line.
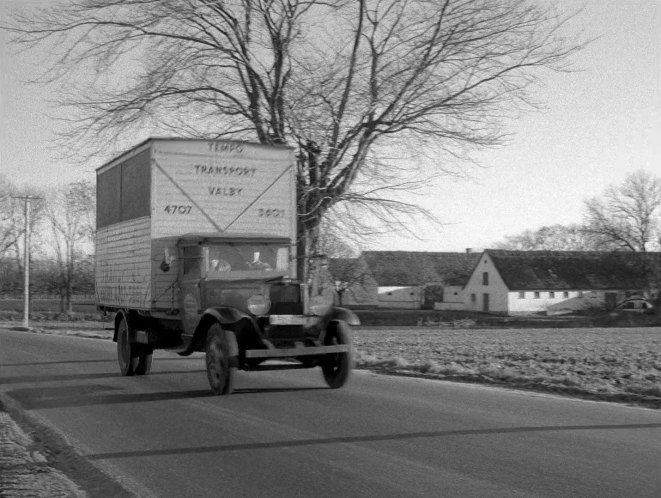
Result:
{"points": [[123, 266]]}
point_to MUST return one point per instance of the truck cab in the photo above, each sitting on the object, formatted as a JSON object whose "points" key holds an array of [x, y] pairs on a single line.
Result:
{"points": [[230, 273], [237, 302]]}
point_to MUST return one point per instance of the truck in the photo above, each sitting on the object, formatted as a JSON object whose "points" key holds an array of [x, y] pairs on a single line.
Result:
{"points": [[196, 252]]}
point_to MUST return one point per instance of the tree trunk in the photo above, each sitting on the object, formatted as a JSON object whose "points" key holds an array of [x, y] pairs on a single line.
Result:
{"points": [[307, 245]]}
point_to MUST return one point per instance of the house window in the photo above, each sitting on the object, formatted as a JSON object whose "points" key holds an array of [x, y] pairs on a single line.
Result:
{"points": [[552, 295], [536, 295], [522, 295], [565, 294], [473, 298], [485, 278], [580, 293]]}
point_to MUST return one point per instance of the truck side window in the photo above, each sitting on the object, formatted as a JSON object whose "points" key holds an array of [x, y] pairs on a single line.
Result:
{"points": [[282, 259]]}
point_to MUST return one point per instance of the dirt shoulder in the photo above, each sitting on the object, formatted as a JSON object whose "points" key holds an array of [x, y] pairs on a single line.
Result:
{"points": [[36, 462]]}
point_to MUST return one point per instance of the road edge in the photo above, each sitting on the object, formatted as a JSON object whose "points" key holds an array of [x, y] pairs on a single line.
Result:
{"points": [[59, 464]]}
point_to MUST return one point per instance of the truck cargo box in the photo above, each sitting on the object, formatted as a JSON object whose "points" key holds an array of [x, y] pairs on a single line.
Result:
{"points": [[150, 196]]}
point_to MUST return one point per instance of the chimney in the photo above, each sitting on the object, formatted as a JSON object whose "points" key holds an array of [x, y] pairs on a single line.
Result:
{"points": [[469, 250]]}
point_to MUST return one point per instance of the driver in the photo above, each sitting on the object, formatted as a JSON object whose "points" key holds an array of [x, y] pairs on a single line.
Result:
{"points": [[259, 265]]}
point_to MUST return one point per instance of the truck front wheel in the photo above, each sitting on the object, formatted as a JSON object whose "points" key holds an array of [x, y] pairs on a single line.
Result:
{"points": [[221, 359], [337, 366], [133, 358]]}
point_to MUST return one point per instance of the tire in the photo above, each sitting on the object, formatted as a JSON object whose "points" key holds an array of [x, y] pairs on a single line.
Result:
{"points": [[133, 358], [126, 352], [336, 367], [221, 359]]}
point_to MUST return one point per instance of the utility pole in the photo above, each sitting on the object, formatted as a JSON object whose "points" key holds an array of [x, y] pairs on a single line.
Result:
{"points": [[26, 264]]}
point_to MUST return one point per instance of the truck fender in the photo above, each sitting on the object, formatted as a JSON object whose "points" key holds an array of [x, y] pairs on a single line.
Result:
{"points": [[337, 315], [343, 314], [226, 316]]}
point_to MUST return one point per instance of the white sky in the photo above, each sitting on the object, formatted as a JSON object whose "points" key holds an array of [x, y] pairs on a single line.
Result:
{"points": [[599, 123]]}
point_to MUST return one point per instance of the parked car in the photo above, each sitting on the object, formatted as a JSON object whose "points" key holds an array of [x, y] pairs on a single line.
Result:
{"points": [[637, 304]]}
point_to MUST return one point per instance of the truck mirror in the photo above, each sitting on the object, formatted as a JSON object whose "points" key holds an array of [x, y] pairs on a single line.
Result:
{"points": [[167, 261]]}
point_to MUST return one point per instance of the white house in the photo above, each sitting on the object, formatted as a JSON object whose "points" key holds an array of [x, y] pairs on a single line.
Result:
{"points": [[453, 298], [524, 282]]}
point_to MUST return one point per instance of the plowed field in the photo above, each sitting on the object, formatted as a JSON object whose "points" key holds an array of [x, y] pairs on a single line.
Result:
{"points": [[619, 364]]}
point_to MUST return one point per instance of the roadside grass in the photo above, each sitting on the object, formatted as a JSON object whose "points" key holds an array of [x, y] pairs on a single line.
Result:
{"points": [[613, 364]]}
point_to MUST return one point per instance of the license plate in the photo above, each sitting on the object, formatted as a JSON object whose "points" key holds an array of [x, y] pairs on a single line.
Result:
{"points": [[291, 320]]}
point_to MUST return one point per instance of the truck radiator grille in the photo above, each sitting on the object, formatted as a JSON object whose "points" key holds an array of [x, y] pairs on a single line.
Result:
{"points": [[286, 299]]}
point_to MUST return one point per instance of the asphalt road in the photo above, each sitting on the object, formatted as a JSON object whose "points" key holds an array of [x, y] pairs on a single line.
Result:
{"points": [[283, 433]]}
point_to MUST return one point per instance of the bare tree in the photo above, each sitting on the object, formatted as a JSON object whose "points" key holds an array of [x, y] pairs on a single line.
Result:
{"points": [[12, 224], [10, 227], [70, 212], [628, 215], [351, 276], [346, 82], [557, 237]]}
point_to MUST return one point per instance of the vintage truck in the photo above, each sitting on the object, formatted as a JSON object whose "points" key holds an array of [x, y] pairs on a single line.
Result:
{"points": [[196, 252]]}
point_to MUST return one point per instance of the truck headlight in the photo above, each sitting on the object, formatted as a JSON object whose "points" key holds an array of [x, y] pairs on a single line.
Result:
{"points": [[258, 304]]}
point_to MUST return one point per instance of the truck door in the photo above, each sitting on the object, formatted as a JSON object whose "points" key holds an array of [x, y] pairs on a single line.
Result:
{"points": [[190, 303]]}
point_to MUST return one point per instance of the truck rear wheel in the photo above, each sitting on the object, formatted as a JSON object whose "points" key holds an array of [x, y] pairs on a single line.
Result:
{"points": [[221, 359], [145, 354], [336, 367], [133, 358]]}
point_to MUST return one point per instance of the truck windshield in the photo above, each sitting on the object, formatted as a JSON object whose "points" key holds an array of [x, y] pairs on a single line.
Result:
{"points": [[242, 260]]}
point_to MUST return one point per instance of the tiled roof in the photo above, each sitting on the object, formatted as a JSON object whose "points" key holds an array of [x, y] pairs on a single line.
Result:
{"points": [[409, 268], [579, 270]]}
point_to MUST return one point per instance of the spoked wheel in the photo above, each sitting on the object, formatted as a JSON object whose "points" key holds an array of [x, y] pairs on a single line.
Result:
{"points": [[221, 359], [133, 358], [336, 367]]}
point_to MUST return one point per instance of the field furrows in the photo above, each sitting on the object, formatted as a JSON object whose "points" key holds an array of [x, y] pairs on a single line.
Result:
{"points": [[616, 364]]}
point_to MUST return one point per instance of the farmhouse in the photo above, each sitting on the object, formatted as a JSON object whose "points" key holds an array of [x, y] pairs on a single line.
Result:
{"points": [[523, 282], [414, 280]]}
